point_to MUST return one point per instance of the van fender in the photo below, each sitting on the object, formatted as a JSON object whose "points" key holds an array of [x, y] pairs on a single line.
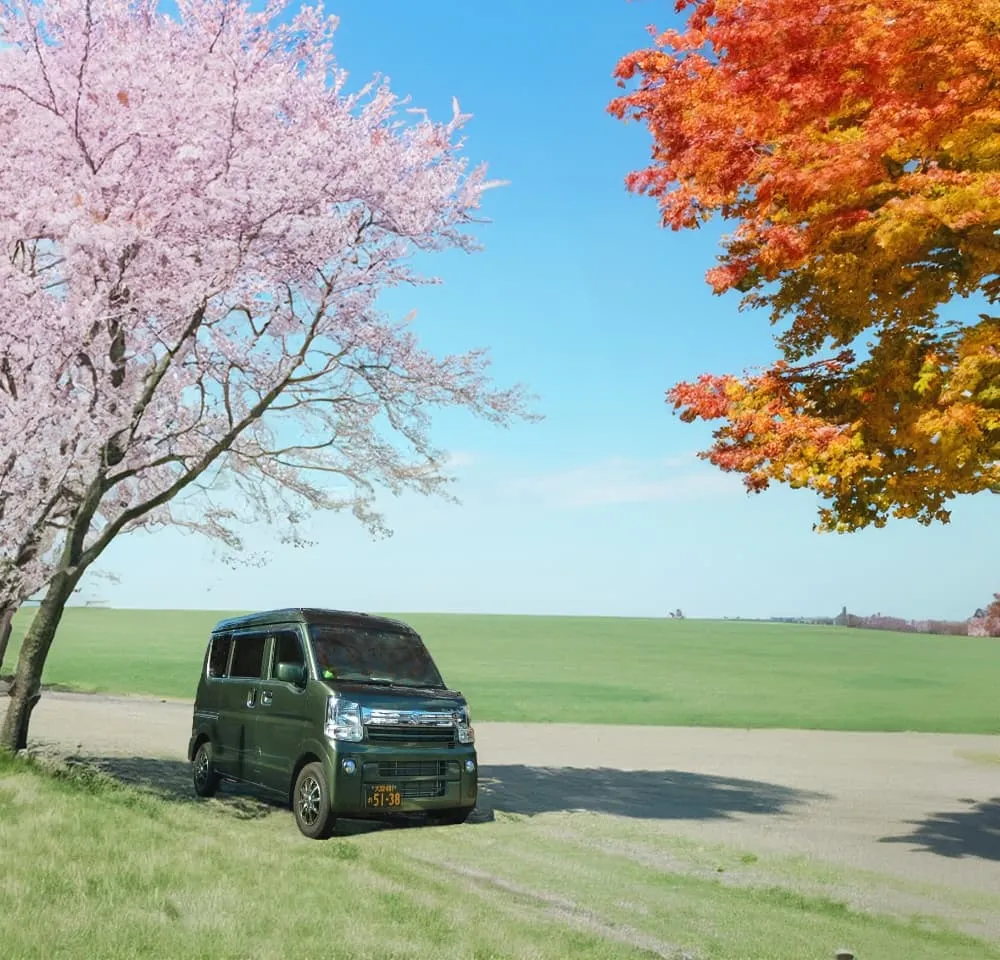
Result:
{"points": [[313, 750]]}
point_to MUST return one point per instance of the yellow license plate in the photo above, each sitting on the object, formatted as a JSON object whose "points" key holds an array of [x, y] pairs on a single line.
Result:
{"points": [[383, 795]]}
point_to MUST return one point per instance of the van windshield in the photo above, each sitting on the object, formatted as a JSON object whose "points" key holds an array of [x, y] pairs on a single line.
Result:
{"points": [[371, 655]]}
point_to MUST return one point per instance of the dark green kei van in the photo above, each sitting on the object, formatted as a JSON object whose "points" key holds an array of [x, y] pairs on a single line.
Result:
{"points": [[339, 714]]}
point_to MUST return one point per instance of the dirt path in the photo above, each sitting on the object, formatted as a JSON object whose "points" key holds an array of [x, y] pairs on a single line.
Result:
{"points": [[922, 807]]}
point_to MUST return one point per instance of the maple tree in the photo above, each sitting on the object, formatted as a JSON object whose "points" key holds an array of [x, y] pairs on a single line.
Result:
{"points": [[197, 220], [856, 149]]}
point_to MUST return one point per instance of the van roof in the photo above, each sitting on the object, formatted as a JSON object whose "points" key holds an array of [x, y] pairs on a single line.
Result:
{"points": [[310, 615]]}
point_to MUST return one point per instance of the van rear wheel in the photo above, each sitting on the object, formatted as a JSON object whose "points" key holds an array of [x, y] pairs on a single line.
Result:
{"points": [[206, 780], [311, 803]]}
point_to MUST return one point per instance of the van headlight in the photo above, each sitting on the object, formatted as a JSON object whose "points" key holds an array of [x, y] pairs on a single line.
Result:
{"points": [[463, 725], [343, 720]]}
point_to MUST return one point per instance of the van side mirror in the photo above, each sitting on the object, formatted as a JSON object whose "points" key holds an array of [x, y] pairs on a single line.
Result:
{"points": [[292, 673]]}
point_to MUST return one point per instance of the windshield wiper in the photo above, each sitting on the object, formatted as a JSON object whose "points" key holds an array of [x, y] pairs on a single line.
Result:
{"points": [[374, 681], [389, 682]]}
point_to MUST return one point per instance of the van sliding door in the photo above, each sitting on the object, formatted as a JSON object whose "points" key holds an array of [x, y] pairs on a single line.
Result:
{"points": [[238, 705], [282, 716]]}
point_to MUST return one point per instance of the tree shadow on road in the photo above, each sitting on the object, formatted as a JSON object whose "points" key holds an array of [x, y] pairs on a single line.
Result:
{"points": [[972, 832], [171, 780], [643, 794]]}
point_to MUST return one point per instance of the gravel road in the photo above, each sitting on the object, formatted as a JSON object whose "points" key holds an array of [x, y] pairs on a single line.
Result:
{"points": [[923, 807]]}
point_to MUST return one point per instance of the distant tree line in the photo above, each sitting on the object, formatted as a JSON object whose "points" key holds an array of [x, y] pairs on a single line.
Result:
{"points": [[878, 621], [985, 622]]}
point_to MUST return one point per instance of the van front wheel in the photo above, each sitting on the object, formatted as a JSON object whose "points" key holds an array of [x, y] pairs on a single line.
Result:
{"points": [[311, 803], [206, 780]]}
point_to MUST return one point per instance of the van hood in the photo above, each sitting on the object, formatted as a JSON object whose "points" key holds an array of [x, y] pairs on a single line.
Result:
{"points": [[396, 697]]}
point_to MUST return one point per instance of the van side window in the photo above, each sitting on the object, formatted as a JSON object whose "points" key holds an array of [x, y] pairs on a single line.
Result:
{"points": [[218, 656], [248, 655], [287, 649]]}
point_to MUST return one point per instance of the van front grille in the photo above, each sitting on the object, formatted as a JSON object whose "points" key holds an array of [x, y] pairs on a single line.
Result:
{"points": [[410, 734], [392, 769], [421, 789]]}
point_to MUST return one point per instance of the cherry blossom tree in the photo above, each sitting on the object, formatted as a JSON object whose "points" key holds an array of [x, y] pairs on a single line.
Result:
{"points": [[196, 220]]}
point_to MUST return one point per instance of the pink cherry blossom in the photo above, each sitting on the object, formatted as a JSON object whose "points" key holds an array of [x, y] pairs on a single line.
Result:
{"points": [[197, 220]]}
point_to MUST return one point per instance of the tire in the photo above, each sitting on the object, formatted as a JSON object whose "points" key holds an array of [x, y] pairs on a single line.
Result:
{"points": [[454, 817], [311, 803], [203, 775]]}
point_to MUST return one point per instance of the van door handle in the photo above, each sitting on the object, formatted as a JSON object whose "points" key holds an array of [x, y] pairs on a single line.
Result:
{"points": [[265, 698], [251, 697]]}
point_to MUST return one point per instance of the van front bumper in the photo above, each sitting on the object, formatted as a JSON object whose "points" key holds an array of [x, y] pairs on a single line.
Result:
{"points": [[378, 781]]}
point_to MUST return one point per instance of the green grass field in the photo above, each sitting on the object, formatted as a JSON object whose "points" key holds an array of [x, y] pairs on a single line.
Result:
{"points": [[604, 670], [92, 868]]}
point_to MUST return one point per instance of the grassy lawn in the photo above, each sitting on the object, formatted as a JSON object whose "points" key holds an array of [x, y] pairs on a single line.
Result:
{"points": [[581, 669], [94, 868], [606, 670]]}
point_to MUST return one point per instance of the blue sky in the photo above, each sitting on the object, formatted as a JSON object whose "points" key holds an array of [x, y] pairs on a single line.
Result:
{"points": [[602, 508]]}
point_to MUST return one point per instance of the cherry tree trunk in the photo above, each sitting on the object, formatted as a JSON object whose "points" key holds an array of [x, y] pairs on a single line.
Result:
{"points": [[6, 623], [27, 686]]}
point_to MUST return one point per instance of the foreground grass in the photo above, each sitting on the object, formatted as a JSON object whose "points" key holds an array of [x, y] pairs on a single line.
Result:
{"points": [[689, 672], [93, 868]]}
